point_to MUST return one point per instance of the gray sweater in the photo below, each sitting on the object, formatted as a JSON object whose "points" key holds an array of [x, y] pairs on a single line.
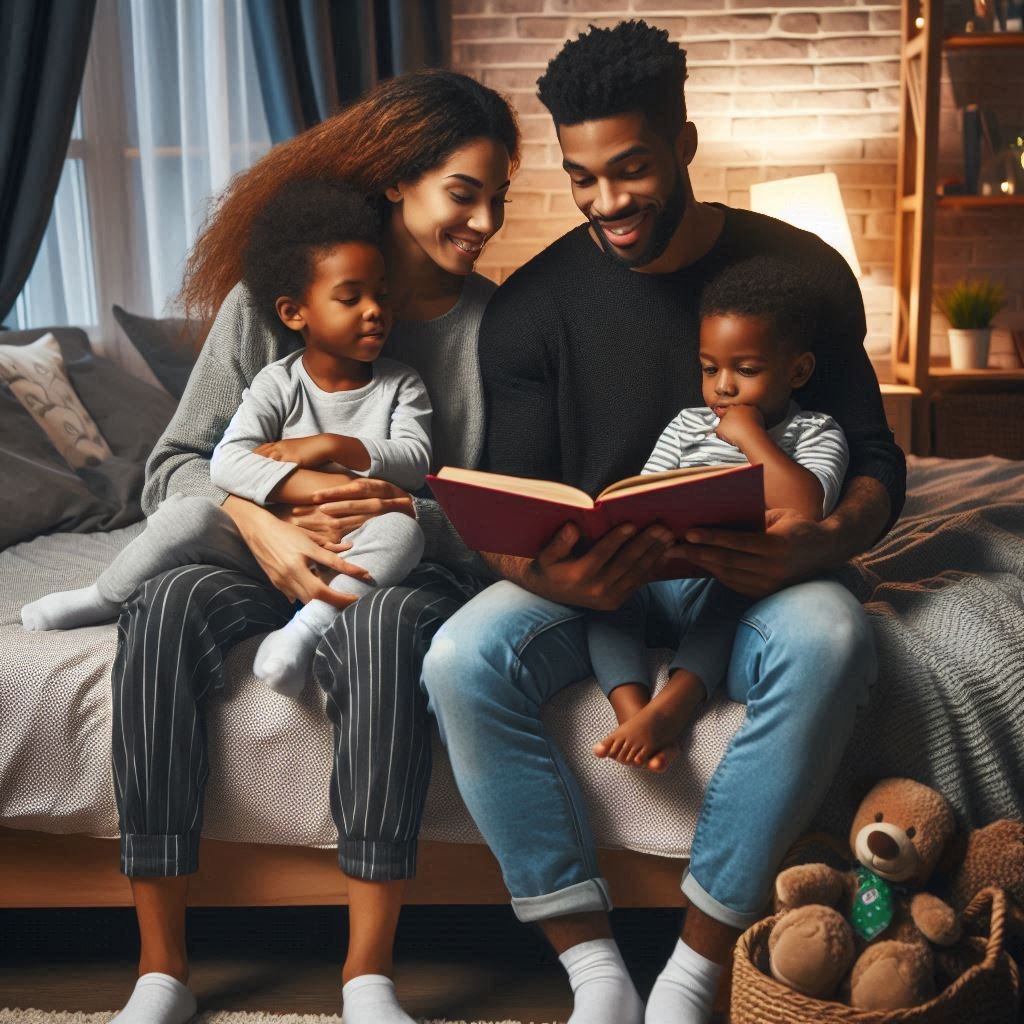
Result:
{"points": [[443, 351]]}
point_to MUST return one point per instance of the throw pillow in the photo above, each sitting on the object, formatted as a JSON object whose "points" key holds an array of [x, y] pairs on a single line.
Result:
{"points": [[36, 376], [38, 492], [169, 346]]}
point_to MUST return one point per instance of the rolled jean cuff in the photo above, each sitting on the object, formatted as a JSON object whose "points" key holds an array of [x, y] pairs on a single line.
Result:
{"points": [[703, 900], [583, 897], [377, 861], [145, 856]]}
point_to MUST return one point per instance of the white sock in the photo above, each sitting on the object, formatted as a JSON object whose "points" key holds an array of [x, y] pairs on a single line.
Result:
{"points": [[284, 661], [70, 608], [684, 990], [603, 992], [158, 999], [371, 999]]}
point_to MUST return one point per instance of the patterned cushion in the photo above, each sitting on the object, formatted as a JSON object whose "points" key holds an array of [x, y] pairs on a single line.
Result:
{"points": [[36, 376]]}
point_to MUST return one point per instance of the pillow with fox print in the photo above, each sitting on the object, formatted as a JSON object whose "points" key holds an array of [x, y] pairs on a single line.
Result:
{"points": [[36, 376]]}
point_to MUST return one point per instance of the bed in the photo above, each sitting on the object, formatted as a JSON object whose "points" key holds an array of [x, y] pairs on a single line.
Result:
{"points": [[944, 590]]}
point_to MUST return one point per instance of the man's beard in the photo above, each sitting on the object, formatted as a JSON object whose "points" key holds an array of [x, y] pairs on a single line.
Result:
{"points": [[664, 228]]}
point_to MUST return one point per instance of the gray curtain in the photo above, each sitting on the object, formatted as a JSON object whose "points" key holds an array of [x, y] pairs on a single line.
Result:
{"points": [[43, 46], [315, 56]]}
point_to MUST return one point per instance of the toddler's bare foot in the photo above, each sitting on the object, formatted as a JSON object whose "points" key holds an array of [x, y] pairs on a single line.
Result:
{"points": [[661, 761], [653, 731], [626, 700]]}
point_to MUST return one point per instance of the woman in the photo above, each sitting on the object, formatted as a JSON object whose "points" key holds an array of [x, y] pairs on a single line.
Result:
{"points": [[436, 149]]}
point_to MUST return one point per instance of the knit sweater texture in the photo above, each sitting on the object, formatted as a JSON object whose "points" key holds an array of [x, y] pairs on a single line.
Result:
{"points": [[585, 361], [239, 345]]}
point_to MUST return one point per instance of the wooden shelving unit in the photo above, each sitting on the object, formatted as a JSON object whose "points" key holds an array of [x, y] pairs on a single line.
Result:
{"points": [[978, 202], [983, 41], [917, 203]]}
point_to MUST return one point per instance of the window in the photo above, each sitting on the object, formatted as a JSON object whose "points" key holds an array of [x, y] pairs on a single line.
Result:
{"points": [[170, 110], [61, 288]]}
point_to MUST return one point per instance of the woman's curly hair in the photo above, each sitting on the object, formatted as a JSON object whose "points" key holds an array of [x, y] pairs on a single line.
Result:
{"points": [[304, 221], [404, 127], [632, 67]]}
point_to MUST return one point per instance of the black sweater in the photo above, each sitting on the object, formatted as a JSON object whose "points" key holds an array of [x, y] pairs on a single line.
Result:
{"points": [[585, 361]]}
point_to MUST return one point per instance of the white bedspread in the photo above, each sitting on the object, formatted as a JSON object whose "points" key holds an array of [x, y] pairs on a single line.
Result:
{"points": [[944, 590], [270, 756]]}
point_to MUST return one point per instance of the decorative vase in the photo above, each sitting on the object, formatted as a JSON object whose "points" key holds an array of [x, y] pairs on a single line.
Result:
{"points": [[968, 347]]}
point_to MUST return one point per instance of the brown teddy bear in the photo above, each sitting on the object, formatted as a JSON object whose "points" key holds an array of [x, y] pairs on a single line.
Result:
{"points": [[879, 946], [994, 855]]}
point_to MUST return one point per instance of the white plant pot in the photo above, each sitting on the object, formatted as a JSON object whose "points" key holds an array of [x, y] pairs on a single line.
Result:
{"points": [[968, 348]]}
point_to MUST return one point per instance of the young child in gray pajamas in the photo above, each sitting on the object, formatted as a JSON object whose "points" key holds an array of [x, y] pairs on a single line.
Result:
{"points": [[314, 267], [757, 331]]}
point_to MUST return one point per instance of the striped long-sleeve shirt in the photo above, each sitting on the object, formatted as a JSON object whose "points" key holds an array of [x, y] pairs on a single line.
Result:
{"points": [[811, 439]]}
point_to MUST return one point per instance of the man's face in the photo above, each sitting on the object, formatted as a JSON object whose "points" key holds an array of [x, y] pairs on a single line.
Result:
{"points": [[630, 183]]}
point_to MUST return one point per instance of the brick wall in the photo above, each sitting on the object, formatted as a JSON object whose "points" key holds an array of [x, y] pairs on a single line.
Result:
{"points": [[774, 92]]}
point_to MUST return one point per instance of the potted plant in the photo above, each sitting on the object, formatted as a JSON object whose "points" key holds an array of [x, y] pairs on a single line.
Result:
{"points": [[969, 306]]}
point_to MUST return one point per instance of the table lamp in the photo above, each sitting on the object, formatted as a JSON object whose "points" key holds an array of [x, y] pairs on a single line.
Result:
{"points": [[811, 202]]}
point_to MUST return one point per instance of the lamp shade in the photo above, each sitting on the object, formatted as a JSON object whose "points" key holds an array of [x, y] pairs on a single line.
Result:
{"points": [[811, 202]]}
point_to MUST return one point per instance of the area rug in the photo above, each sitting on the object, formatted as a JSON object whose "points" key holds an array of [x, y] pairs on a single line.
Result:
{"points": [[220, 1017]]}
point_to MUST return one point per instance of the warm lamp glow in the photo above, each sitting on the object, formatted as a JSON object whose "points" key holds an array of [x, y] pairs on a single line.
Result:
{"points": [[811, 202]]}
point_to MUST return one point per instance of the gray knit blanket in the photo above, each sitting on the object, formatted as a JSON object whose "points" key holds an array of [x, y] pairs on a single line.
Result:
{"points": [[945, 592]]}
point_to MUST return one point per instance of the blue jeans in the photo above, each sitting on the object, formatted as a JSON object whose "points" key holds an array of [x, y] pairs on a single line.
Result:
{"points": [[803, 661], [699, 617]]}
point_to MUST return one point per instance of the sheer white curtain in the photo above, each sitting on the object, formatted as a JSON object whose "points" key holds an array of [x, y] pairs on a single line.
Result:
{"points": [[195, 119], [170, 110]]}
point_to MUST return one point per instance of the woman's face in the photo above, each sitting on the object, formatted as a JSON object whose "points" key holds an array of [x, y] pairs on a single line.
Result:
{"points": [[451, 210]]}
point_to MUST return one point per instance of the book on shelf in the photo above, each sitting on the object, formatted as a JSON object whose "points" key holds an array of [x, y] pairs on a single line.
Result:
{"points": [[511, 515]]}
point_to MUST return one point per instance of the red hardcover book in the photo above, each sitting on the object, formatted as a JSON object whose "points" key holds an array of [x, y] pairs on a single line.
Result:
{"points": [[510, 515]]}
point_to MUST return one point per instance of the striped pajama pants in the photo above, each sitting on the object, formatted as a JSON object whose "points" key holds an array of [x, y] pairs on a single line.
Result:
{"points": [[172, 637]]}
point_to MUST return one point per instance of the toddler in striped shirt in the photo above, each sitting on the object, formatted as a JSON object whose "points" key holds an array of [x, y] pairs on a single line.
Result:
{"points": [[756, 339]]}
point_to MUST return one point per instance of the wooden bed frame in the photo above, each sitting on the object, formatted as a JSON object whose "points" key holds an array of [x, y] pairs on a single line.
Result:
{"points": [[42, 870], [39, 869]]}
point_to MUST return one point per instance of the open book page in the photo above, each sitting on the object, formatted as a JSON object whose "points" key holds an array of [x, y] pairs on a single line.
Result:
{"points": [[547, 490], [653, 481]]}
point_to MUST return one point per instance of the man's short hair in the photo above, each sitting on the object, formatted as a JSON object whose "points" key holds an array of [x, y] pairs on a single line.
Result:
{"points": [[775, 291], [631, 68]]}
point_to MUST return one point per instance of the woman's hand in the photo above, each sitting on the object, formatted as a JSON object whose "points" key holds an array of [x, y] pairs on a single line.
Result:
{"points": [[289, 555], [337, 511]]}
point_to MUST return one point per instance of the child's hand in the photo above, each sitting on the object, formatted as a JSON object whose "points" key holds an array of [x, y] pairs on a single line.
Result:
{"points": [[308, 452], [738, 423]]}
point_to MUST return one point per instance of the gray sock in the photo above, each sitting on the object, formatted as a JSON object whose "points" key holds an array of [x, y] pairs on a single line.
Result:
{"points": [[68, 609], [284, 661]]}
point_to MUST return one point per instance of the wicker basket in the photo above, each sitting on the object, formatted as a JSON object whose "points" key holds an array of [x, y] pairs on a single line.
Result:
{"points": [[986, 988]]}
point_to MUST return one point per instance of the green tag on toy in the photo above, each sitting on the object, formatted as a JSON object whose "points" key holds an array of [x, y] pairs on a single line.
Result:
{"points": [[872, 909]]}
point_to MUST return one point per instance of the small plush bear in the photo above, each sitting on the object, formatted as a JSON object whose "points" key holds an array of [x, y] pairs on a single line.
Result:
{"points": [[870, 929], [994, 855]]}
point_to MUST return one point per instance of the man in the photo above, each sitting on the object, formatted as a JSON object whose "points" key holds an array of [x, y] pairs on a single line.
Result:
{"points": [[588, 351]]}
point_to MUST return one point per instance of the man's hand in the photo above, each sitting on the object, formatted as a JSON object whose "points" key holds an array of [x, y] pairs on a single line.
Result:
{"points": [[308, 452], [739, 424], [289, 556], [792, 548], [337, 511], [605, 576]]}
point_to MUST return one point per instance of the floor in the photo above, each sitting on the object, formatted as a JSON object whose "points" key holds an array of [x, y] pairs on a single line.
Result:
{"points": [[472, 963]]}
